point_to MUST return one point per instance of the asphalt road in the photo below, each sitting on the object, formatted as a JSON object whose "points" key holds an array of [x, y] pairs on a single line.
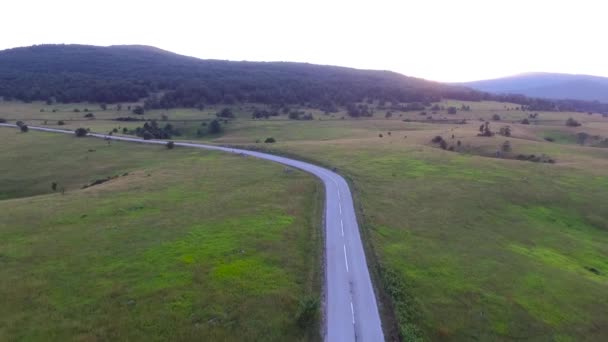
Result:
{"points": [[351, 312]]}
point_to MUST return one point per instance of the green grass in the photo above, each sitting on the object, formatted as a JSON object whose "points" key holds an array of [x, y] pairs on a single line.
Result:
{"points": [[187, 246], [461, 246]]}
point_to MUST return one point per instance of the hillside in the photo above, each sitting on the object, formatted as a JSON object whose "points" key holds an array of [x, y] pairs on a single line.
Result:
{"points": [[548, 85], [74, 73]]}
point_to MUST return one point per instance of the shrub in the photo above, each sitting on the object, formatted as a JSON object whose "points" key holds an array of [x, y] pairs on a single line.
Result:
{"points": [[437, 139], [443, 144], [270, 140], [452, 110], [380, 135], [2, 120], [572, 123], [60, 123], [308, 310], [89, 115], [215, 127], [225, 113], [139, 110], [549, 139], [170, 145], [76, 110], [525, 122], [24, 128], [484, 130], [496, 117], [505, 131], [125, 130], [80, 132]]}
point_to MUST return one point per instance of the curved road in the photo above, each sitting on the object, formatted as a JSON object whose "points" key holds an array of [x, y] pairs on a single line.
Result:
{"points": [[351, 312]]}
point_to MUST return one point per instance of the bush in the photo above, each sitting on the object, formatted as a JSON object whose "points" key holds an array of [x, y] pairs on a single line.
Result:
{"points": [[505, 131], [215, 127], [308, 311], [170, 145], [2, 120], [139, 110], [270, 140], [80, 132], [225, 113], [24, 128], [496, 117], [89, 115], [549, 139], [525, 122], [437, 139], [572, 123], [60, 123]]}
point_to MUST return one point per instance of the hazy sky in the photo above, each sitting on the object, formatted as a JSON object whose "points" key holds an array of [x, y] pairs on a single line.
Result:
{"points": [[445, 40]]}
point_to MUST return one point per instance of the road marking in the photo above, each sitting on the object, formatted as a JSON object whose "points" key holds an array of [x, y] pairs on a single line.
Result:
{"points": [[345, 258], [340, 207], [342, 226], [352, 311]]}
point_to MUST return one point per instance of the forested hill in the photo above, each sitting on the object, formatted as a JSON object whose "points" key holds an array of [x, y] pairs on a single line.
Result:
{"points": [[72, 73]]}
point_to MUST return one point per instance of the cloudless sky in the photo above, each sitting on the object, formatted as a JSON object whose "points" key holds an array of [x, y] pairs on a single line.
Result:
{"points": [[444, 40]]}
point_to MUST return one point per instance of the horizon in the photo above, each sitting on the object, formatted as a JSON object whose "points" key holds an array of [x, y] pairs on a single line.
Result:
{"points": [[465, 41]]}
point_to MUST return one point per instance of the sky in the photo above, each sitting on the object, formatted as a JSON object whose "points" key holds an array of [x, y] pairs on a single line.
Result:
{"points": [[442, 40]]}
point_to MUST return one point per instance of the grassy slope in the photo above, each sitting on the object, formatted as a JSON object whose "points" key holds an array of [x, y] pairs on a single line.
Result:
{"points": [[470, 247], [186, 246]]}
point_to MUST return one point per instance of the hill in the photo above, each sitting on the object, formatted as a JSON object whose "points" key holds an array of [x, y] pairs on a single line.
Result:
{"points": [[74, 73], [548, 85]]}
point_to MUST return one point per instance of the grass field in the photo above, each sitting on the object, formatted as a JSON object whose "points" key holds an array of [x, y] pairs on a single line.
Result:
{"points": [[463, 245], [181, 245]]}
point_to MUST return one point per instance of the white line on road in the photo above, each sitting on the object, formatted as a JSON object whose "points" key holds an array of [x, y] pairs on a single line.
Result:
{"points": [[342, 226], [345, 258], [340, 207], [352, 311]]}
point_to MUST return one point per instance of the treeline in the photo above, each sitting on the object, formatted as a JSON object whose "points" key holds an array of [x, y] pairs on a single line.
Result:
{"points": [[80, 73]]}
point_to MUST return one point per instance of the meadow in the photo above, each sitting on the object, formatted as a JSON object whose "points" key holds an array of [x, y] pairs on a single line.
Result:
{"points": [[466, 242], [177, 245]]}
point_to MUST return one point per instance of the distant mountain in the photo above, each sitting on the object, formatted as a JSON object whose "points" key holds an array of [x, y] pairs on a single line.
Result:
{"points": [[548, 85], [73, 73]]}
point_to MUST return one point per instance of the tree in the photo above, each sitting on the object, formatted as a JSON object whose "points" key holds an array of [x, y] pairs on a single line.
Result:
{"points": [[24, 128], [139, 110], [496, 117], [103, 106], [225, 113], [215, 127], [54, 186], [572, 123], [270, 140], [60, 123], [505, 131], [80, 132], [452, 110], [525, 122], [582, 137], [170, 145]]}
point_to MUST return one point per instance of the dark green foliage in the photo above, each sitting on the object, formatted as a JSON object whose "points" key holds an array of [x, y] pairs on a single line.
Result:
{"points": [[139, 110], [308, 312], [485, 131], [80, 132], [215, 127], [225, 113], [270, 140], [572, 123], [151, 130], [505, 131], [170, 145], [89, 115], [24, 128], [356, 111]]}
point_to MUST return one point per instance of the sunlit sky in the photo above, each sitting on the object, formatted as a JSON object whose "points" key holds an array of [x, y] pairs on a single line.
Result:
{"points": [[444, 40]]}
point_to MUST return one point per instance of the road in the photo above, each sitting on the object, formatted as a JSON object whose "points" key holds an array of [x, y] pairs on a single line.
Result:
{"points": [[351, 311]]}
